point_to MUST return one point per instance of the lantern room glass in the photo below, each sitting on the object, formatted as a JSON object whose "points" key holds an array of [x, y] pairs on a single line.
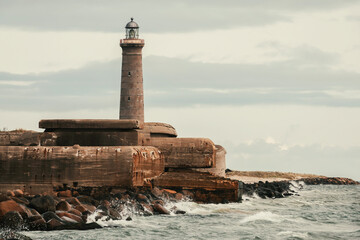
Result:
{"points": [[132, 33]]}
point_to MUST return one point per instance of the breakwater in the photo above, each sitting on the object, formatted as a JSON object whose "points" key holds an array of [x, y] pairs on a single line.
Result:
{"points": [[280, 189]]}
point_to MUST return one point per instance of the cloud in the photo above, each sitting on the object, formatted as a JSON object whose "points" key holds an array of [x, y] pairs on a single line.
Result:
{"points": [[159, 16], [175, 82], [314, 158], [353, 18]]}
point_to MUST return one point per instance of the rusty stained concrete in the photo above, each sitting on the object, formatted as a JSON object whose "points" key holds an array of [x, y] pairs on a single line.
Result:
{"points": [[186, 152], [209, 188], [220, 163], [19, 138], [32, 167], [90, 124]]}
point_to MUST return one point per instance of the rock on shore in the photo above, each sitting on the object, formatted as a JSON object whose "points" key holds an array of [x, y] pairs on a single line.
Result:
{"points": [[269, 189], [280, 189], [82, 208], [329, 180]]}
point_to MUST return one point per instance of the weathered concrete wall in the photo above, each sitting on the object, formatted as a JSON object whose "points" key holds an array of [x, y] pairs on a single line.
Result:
{"points": [[220, 166], [92, 137], [90, 124], [19, 138], [221, 188], [186, 152], [132, 96], [38, 168], [157, 129]]}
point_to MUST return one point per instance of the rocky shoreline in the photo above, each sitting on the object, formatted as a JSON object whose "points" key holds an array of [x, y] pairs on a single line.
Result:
{"points": [[82, 208], [280, 189]]}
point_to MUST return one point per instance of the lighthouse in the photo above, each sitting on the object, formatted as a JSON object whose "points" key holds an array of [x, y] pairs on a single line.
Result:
{"points": [[132, 93]]}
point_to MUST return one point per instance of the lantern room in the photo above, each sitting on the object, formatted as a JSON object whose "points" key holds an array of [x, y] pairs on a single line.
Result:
{"points": [[132, 30]]}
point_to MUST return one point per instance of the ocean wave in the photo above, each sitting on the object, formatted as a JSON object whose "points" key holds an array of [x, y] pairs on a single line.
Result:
{"points": [[291, 234], [296, 185], [262, 216]]}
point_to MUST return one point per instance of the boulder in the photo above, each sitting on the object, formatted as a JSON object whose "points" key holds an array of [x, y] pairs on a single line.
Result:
{"points": [[73, 217], [179, 196], [12, 220], [115, 191], [18, 193], [103, 209], [157, 192], [4, 197], [142, 198], [63, 206], [85, 215], [35, 218], [147, 208], [38, 224], [8, 206], [106, 203], [27, 212], [125, 198], [50, 215], [34, 212], [10, 193], [188, 194], [20, 200], [73, 201], [169, 191], [160, 209], [87, 200], [68, 220], [80, 208], [54, 224], [75, 212], [180, 212], [115, 215], [88, 226], [89, 207], [65, 194], [159, 201], [43, 204]]}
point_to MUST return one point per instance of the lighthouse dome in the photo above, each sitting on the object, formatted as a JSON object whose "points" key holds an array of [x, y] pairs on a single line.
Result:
{"points": [[132, 24]]}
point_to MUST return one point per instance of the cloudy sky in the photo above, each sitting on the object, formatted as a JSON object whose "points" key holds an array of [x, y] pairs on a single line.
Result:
{"points": [[277, 83]]}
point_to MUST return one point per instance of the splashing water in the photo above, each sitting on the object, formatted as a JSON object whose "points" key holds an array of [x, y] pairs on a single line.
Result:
{"points": [[320, 212]]}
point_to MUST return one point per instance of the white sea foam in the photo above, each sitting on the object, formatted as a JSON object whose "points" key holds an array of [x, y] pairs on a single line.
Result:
{"points": [[315, 214], [291, 234], [296, 186], [262, 216]]}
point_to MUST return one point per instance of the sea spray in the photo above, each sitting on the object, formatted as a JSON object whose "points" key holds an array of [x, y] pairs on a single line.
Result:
{"points": [[296, 217]]}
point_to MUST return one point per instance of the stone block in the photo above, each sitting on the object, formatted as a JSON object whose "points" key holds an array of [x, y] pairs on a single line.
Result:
{"points": [[90, 124], [211, 188], [19, 138], [157, 129], [186, 152], [99, 137], [220, 163], [39, 167]]}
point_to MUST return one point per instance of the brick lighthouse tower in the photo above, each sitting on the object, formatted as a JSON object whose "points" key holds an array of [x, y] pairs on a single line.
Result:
{"points": [[132, 94]]}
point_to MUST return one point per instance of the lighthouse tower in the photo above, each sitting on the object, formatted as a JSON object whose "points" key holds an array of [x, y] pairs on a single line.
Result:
{"points": [[132, 94]]}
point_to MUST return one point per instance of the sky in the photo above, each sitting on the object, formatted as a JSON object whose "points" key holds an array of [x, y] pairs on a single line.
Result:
{"points": [[277, 83]]}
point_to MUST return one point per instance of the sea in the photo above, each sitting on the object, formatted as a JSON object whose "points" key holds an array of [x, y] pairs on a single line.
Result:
{"points": [[317, 212]]}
